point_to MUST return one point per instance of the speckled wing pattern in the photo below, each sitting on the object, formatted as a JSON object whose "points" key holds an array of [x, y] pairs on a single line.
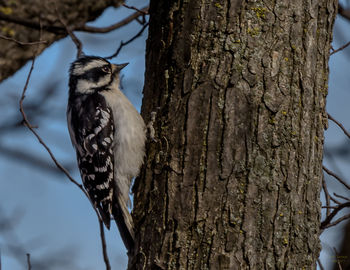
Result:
{"points": [[94, 139]]}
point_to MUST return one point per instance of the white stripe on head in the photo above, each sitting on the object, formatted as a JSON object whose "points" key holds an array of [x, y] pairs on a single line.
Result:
{"points": [[85, 86], [80, 68]]}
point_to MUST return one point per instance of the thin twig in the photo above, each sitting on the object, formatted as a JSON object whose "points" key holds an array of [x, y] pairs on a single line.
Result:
{"points": [[21, 42], [104, 246], [340, 125], [122, 43], [28, 262], [326, 194], [335, 176], [341, 197], [73, 37], [336, 222], [335, 200], [327, 222], [31, 128], [337, 258], [320, 264], [127, 20], [341, 48], [332, 161], [82, 27], [344, 12], [145, 12]]}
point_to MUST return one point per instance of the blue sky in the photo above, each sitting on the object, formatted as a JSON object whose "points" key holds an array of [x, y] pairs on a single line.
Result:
{"points": [[338, 106], [53, 219]]}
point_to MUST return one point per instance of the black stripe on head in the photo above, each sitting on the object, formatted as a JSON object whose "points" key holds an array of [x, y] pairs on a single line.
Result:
{"points": [[94, 69], [86, 63]]}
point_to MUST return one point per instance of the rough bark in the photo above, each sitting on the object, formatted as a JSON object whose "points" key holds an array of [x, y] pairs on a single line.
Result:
{"points": [[19, 19], [234, 179]]}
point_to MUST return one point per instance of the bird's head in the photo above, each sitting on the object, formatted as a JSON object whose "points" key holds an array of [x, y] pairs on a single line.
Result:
{"points": [[89, 74]]}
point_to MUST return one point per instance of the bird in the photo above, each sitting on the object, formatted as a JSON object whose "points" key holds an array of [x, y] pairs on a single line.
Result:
{"points": [[109, 137]]}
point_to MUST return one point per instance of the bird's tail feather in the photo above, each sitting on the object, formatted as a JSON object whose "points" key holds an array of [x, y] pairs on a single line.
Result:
{"points": [[124, 222], [105, 216]]}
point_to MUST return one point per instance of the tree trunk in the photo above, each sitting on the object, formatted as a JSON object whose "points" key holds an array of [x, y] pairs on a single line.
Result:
{"points": [[233, 181]]}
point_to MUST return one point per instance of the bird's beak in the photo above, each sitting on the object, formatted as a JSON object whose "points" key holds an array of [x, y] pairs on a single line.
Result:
{"points": [[119, 67]]}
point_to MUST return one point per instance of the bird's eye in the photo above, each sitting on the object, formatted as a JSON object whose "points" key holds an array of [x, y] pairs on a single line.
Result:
{"points": [[105, 69]]}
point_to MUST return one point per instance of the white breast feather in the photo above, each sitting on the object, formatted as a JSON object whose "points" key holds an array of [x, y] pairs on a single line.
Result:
{"points": [[129, 140]]}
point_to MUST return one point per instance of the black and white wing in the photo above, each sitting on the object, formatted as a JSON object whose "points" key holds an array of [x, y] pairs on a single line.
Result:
{"points": [[91, 128]]}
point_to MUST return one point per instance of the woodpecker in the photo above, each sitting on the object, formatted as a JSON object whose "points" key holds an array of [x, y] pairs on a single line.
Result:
{"points": [[109, 137]]}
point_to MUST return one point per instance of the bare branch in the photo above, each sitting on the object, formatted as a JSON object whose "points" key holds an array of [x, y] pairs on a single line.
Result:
{"points": [[104, 246], [83, 28], [73, 37], [341, 197], [341, 48], [345, 13], [112, 27], [337, 258], [122, 43], [320, 264], [339, 125], [335, 176], [327, 222], [21, 42], [144, 12], [327, 196], [127, 20], [30, 127], [28, 262], [335, 200], [143, 21]]}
